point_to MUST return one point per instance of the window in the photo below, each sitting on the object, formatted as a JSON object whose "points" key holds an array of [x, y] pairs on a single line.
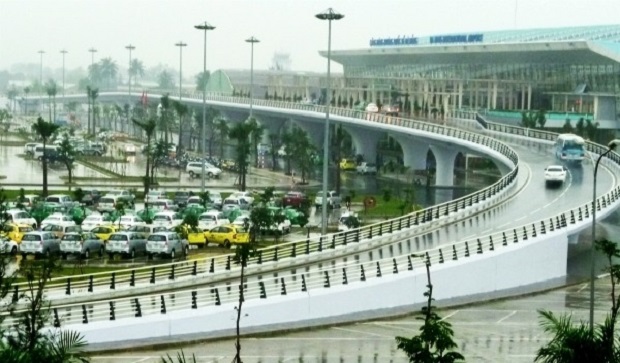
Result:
{"points": [[71, 237], [157, 238], [31, 237], [118, 237]]}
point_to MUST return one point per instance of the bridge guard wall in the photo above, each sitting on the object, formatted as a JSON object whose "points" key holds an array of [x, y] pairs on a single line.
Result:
{"points": [[532, 262]]}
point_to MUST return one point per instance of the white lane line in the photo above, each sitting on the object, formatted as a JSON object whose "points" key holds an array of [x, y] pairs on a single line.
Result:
{"points": [[360, 332], [449, 315], [583, 287], [506, 317]]}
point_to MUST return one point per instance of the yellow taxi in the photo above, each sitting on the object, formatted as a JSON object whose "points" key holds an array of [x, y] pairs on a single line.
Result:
{"points": [[348, 164], [104, 232], [227, 235], [15, 232], [197, 237]]}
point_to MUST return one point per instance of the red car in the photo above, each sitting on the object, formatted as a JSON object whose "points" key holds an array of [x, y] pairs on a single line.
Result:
{"points": [[295, 199]]}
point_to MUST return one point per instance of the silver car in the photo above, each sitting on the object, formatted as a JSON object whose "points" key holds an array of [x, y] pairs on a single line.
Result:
{"points": [[81, 244], [167, 244], [39, 244], [126, 244]]}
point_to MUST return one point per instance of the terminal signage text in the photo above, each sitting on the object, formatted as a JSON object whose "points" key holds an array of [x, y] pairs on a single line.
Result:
{"points": [[437, 39]]}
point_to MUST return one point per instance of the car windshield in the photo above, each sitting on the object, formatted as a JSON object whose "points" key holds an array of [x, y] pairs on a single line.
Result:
{"points": [[93, 219], [118, 237], [161, 218], [127, 219], [71, 237], [157, 238], [555, 168]]}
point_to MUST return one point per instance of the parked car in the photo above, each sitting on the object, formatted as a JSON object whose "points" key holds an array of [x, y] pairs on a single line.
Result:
{"points": [[126, 244], [211, 219], [81, 244], [348, 221], [231, 203], [28, 201], [91, 197], [163, 205], [294, 199], [129, 220], [246, 196], [366, 168], [216, 199], [15, 231], [58, 219], [226, 235], [180, 198], [390, 110], [93, 220], [167, 244], [8, 246], [147, 229], [104, 232], [372, 107], [333, 199], [19, 216], [61, 230], [61, 199], [347, 164], [124, 195], [107, 203], [194, 169], [154, 195], [167, 218], [39, 244]]}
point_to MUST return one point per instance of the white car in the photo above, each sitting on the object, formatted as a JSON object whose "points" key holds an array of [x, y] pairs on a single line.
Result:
{"points": [[211, 218], [194, 169], [130, 149], [232, 203], [366, 168], [372, 107], [154, 195], [247, 196], [128, 221], [8, 246], [19, 216], [348, 219], [216, 199], [92, 221], [168, 218], [555, 174], [58, 219]]}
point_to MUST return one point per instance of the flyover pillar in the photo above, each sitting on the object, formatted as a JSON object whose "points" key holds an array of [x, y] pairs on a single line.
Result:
{"points": [[314, 129], [365, 142], [414, 151], [444, 169]]}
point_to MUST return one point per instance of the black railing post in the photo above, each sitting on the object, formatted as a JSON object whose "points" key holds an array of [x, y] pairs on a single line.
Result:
{"points": [[212, 266], [378, 269], [84, 315], [409, 263], [466, 249], [326, 284], [218, 302], [113, 281], [171, 276], [440, 256], [90, 283], [491, 246], [283, 286], [56, 320], [345, 281], [163, 304], [138, 308], [263, 292], [194, 300], [195, 268], [275, 254], [132, 279], [333, 245], [304, 288], [395, 270], [479, 249], [307, 247], [294, 250], [152, 279], [260, 257], [112, 313], [363, 274], [227, 263], [68, 288]]}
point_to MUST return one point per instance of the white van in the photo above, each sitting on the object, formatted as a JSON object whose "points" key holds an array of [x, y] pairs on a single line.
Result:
{"points": [[107, 203], [38, 150]]}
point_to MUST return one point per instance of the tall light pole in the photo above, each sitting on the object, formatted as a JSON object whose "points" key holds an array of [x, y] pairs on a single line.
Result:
{"points": [[63, 76], [205, 26], [181, 45], [610, 147], [129, 47], [41, 52], [92, 57], [328, 15], [252, 40]]}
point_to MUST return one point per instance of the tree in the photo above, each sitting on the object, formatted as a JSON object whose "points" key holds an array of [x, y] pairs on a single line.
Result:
{"points": [[577, 343], [210, 120], [109, 69], [95, 74], [51, 89], [274, 145], [580, 126], [165, 80], [26, 91], [5, 116], [164, 116], [590, 129], [67, 153], [567, 127], [119, 207], [149, 126], [241, 133], [541, 118], [337, 145], [302, 151], [202, 79], [257, 131], [44, 130], [434, 344], [222, 131], [181, 110], [288, 142], [136, 69]]}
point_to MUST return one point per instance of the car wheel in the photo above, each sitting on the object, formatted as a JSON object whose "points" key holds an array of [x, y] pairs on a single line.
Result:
{"points": [[23, 256], [13, 251], [192, 175], [210, 174], [87, 254], [227, 243], [172, 254]]}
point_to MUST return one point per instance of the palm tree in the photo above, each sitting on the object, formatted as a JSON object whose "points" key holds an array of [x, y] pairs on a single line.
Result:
{"points": [[26, 91], [149, 128], [164, 116], [212, 115], [337, 141], [257, 134], [223, 131], [12, 96], [241, 133], [136, 69], [202, 79], [181, 110], [288, 141], [93, 93], [274, 145], [51, 89], [45, 130], [109, 69], [165, 80], [95, 74]]}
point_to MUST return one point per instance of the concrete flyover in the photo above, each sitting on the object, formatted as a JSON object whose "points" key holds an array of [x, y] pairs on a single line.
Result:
{"points": [[299, 284]]}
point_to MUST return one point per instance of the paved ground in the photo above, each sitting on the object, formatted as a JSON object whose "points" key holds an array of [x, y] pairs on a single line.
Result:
{"points": [[498, 331]]}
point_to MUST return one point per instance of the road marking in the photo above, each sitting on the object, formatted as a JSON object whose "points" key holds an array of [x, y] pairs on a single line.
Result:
{"points": [[362, 332], [449, 315], [141, 360], [583, 287], [506, 317]]}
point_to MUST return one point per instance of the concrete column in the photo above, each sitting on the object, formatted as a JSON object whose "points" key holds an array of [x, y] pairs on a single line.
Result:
{"points": [[364, 141], [314, 129], [529, 96], [460, 96], [414, 151], [445, 157], [494, 96]]}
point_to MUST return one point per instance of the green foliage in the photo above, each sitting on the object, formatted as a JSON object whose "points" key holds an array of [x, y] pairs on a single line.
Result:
{"points": [[387, 195], [572, 343], [180, 358], [567, 127], [434, 344], [205, 198]]}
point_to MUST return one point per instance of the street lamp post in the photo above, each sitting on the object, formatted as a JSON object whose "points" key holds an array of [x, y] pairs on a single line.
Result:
{"points": [[205, 26], [252, 40], [41, 52], [180, 45], [610, 147], [63, 76], [92, 57], [328, 15], [129, 47]]}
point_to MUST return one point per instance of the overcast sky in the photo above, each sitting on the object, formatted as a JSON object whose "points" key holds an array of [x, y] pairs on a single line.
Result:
{"points": [[288, 26]]}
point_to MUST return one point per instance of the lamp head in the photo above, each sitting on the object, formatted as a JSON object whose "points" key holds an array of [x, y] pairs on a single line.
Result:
{"points": [[329, 14], [613, 143], [206, 26]]}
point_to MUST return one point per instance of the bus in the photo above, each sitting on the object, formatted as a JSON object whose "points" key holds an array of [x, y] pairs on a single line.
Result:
{"points": [[570, 148]]}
